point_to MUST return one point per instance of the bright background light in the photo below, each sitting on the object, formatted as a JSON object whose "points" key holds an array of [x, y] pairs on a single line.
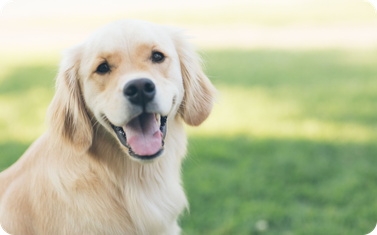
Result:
{"points": [[35, 25]]}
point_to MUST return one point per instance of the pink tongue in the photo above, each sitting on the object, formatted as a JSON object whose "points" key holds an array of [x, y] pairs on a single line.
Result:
{"points": [[143, 134]]}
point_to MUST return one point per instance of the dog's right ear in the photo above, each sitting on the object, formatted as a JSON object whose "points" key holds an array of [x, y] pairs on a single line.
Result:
{"points": [[67, 116]]}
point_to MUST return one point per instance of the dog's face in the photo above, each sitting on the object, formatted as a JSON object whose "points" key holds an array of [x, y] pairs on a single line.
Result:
{"points": [[133, 78], [132, 82]]}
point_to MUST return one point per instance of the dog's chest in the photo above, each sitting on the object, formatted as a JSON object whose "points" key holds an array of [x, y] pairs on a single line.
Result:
{"points": [[148, 208]]}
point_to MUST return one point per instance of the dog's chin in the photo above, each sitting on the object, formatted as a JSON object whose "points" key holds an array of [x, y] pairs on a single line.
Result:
{"points": [[142, 138]]}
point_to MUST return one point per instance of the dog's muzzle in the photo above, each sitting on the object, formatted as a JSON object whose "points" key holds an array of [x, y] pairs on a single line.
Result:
{"points": [[144, 135]]}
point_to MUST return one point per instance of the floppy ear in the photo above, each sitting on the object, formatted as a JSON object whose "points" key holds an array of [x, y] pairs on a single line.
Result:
{"points": [[199, 91], [67, 115]]}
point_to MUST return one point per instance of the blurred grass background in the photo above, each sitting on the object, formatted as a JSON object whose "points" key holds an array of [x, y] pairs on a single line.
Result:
{"points": [[290, 148]]}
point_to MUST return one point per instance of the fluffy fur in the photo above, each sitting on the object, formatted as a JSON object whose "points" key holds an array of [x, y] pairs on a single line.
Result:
{"points": [[77, 178]]}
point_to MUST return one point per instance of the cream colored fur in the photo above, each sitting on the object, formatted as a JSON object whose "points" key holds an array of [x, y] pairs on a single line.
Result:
{"points": [[77, 178]]}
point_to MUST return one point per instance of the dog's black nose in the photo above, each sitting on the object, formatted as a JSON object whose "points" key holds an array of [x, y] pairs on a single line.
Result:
{"points": [[140, 91]]}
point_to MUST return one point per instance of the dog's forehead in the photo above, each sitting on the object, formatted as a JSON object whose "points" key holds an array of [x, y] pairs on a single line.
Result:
{"points": [[127, 35]]}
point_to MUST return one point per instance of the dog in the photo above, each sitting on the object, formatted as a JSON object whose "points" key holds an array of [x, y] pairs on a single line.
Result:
{"points": [[110, 160]]}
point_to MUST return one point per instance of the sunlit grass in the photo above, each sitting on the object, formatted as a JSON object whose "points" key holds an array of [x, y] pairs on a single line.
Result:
{"points": [[25, 93], [323, 95], [22, 115], [253, 111]]}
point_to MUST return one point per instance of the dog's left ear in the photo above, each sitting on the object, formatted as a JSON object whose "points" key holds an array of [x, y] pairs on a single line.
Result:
{"points": [[67, 115], [199, 91]]}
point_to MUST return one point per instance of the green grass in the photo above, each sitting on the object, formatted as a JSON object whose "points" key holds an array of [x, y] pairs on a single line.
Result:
{"points": [[298, 186], [292, 141]]}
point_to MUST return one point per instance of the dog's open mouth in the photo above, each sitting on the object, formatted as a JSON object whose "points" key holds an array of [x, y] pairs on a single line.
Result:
{"points": [[143, 136]]}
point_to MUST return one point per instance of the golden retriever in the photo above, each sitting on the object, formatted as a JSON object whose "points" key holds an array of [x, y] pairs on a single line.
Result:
{"points": [[110, 160]]}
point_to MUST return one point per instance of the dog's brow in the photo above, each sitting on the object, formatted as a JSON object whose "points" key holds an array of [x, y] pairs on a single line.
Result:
{"points": [[138, 55], [110, 56]]}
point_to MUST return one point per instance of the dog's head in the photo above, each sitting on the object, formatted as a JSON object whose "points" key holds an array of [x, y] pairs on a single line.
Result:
{"points": [[133, 78]]}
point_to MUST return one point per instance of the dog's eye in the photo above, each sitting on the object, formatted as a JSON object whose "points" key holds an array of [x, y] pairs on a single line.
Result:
{"points": [[157, 57], [103, 68]]}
